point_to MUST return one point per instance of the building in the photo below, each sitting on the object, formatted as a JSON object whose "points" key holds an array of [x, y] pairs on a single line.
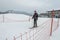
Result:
{"points": [[56, 13], [49, 14]]}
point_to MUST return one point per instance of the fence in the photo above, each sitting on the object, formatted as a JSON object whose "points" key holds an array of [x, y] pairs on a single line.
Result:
{"points": [[43, 32], [4, 18], [35, 34]]}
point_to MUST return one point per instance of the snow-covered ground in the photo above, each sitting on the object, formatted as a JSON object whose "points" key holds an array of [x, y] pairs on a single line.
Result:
{"points": [[14, 24], [56, 33], [11, 27]]}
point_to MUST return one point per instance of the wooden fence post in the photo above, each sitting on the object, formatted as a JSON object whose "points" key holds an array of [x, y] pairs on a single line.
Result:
{"points": [[52, 23]]}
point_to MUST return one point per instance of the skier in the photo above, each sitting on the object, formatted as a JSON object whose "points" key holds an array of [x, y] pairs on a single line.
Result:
{"points": [[35, 17]]}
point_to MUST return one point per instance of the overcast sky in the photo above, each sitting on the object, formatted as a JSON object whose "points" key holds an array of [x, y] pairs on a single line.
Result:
{"points": [[29, 5]]}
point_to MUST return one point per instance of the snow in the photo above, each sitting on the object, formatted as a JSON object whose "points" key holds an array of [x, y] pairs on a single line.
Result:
{"points": [[56, 34], [10, 28], [13, 25]]}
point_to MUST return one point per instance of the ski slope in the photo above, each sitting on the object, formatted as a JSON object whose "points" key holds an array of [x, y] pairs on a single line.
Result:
{"points": [[11, 27], [15, 24]]}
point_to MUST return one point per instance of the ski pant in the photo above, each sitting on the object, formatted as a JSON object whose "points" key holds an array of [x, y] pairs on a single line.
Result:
{"points": [[35, 23]]}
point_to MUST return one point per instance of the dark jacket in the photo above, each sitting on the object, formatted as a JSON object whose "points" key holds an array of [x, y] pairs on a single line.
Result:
{"points": [[35, 16]]}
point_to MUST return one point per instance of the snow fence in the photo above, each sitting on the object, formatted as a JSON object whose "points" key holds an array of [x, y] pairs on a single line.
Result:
{"points": [[40, 33]]}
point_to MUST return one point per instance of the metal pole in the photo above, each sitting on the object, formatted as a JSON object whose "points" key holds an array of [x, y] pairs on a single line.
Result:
{"points": [[33, 33], [58, 23], [26, 36], [14, 38], [6, 39], [3, 18], [21, 35]]}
